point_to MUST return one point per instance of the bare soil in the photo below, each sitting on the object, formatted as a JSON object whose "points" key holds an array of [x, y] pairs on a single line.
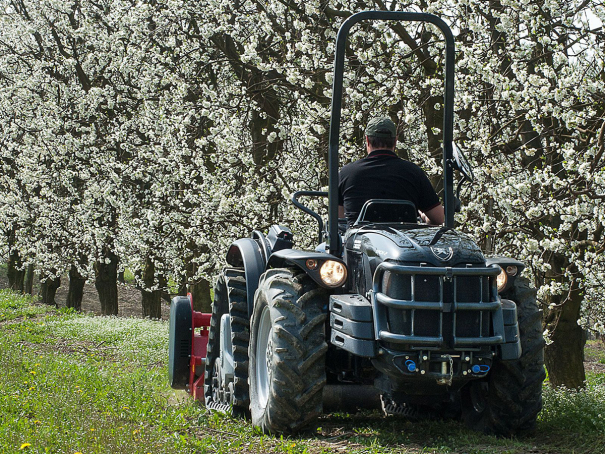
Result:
{"points": [[129, 298]]}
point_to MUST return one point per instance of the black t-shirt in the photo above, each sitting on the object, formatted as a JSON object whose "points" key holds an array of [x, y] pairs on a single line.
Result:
{"points": [[383, 175]]}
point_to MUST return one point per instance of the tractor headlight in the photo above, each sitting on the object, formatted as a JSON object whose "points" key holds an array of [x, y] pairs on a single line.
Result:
{"points": [[333, 273], [511, 270], [502, 280]]}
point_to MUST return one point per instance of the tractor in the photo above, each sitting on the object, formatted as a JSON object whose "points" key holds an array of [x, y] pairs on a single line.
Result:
{"points": [[388, 312]]}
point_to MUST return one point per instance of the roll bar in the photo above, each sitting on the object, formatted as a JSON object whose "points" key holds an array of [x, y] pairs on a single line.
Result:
{"points": [[334, 242], [317, 217]]}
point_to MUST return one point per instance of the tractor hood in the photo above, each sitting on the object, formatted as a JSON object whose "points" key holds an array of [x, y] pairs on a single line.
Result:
{"points": [[437, 246]]}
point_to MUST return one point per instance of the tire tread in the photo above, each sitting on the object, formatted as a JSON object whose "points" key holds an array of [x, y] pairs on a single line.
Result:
{"points": [[299, 351]]}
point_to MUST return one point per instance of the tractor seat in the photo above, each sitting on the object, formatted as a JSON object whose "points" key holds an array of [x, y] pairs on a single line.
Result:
{"points": [[387, 211]]}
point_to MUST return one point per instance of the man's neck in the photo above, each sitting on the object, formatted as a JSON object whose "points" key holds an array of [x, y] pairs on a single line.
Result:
{"points": [[380, 149]]}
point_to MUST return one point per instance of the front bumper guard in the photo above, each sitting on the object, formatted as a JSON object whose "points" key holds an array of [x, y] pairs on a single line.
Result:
{"points": [[503, 317]]}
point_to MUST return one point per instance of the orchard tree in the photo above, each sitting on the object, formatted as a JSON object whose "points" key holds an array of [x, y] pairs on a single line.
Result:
{"points": [[531, 89], [53, 93], [154, 133], [529, 108]]}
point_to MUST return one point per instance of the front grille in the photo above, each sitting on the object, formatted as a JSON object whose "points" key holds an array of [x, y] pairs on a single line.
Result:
{"points": [[427, 288], [437, 306], [426, 323], [472, 289], [473, 324]]}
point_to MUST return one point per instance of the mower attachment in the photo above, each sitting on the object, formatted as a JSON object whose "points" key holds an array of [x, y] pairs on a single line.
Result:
{"points": [[187, 348]]}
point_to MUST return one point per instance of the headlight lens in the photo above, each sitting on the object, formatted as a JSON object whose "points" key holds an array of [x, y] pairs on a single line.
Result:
{"points": [[501, 280], [333, 273], [311, 264], [511, 270]]}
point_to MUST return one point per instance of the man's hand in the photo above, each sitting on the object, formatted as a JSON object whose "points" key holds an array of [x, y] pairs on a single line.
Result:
{"points": [[435, 216]]}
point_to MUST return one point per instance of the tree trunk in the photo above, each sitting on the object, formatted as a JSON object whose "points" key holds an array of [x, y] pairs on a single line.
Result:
{"points": [[200, 292], [564, 355], [151, 299], [15, 272], [48, 290], [199, 288], [106, 283], [183, 287], [28, 286], [76, 289]]}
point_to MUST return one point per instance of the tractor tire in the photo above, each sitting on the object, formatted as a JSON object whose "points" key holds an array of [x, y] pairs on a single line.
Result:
{"points": [[507, 403], [287, 352], [229, 297]]}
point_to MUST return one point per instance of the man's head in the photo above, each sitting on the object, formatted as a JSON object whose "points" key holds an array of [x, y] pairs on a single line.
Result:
{"points": [[381, 133]]}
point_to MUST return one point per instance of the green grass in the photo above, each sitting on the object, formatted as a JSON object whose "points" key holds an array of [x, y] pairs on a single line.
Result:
{"points": [[14, 306], [76, 383], [128, 276], [595, 349]]}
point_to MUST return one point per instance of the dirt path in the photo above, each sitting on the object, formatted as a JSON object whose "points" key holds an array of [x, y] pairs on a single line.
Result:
{"points": [[594, 357], [129, 298]]}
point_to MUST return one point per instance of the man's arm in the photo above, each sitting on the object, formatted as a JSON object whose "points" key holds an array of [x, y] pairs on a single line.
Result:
{"points": [[434, 216], [341, 212]]}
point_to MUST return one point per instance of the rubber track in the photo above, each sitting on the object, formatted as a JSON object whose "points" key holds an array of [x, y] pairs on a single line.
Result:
{"points": [[299, 375]]}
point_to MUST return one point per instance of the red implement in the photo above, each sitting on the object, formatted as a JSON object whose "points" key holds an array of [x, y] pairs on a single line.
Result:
{"points": [[199, 344]]}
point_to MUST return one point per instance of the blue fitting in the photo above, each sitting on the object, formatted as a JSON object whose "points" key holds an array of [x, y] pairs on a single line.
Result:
{"points": [[411, 365], [480, 369]]}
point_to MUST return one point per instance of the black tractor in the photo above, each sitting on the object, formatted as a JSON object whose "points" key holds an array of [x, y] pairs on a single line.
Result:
{"points": [[389, 311]]}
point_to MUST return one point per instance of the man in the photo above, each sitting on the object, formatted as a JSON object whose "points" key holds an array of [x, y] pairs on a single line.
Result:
{"points": [[383, 175]]}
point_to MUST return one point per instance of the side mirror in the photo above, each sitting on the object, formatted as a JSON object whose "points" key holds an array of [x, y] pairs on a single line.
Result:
{"points": [[461, 164]]}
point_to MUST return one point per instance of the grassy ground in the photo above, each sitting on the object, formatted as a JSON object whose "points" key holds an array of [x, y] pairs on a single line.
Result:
{"points": [[73, 383]]}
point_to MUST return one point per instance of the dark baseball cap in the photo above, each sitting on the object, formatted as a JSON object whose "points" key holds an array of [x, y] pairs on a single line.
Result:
{"points": [[381, 127]]}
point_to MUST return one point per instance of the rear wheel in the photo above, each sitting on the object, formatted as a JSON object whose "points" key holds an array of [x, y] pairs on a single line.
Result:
{"points": [[287, 352], [226, 372], [508, 402]]}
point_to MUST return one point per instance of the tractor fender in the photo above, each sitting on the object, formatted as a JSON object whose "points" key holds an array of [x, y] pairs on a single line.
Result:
{"points": [[293, 257], [504, 262], [245, 253]]}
